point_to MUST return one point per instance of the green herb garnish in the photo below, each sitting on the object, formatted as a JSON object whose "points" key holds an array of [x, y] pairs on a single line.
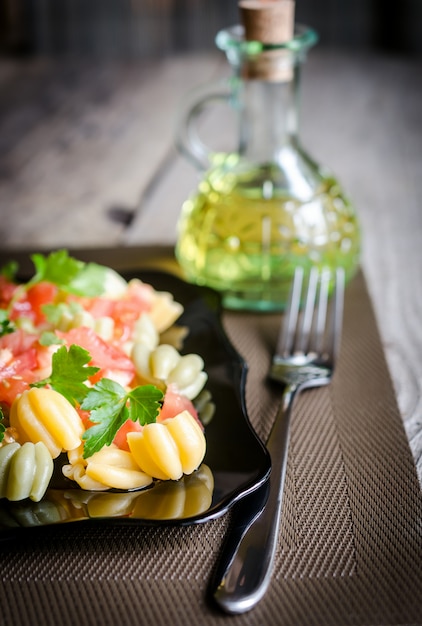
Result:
{"points": [[69, 372], [111, 405], [6, 326], [71, 275], [9, 270]]}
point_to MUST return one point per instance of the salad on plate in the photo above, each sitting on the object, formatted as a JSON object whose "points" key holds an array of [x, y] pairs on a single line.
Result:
{"points": [[91, 368]]}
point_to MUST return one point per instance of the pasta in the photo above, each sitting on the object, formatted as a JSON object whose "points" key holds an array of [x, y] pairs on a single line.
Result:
{"points": [[169, 449], [167, 501], [110, 467], [165, 450], [88, 363], [116, 468], [166, 364], [25, 471], [205, 406], [165, 310], [76, 470], [45, 415]]}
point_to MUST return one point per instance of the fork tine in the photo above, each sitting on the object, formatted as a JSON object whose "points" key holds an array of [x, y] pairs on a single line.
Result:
{"points": [[337, 321], [313, 327], [287, 335], [308, 313], [321, 313]]}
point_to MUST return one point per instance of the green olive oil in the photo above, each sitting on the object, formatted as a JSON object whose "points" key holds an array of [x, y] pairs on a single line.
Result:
{"points": [[245, 240]]}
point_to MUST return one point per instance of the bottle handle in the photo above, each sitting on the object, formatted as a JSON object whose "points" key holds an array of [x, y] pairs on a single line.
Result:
{"points": [[188, 139]]}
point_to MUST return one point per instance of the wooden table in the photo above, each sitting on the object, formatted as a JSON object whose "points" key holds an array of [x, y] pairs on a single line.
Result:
{"points": [[87, 160]]}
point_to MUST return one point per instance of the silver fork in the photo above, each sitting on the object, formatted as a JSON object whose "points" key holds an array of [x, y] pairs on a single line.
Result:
{"points": [[305, 357]]}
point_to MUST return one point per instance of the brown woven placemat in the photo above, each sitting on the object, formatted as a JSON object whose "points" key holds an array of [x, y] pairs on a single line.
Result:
{"points": [[350, 545]]}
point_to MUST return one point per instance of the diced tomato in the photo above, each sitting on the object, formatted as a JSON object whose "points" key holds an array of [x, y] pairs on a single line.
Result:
{"points": [[122, 376], [10, 388], [32, 301], [112, 362], [137, 299], [16, 365], [18, 360], [21, 308], [120, 440], [16, 373], [102, 354], [17, 342], [98, 307], [84, 415], [174, 403], [7, 291], [39, 295], [124, 311]]}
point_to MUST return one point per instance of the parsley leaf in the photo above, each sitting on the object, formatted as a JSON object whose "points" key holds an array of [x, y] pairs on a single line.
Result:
{"points": [[69, 372], [90, 281], [6, 326], [9, 271], [71, 275], [144, 404], [111, 406], [58, 268]]}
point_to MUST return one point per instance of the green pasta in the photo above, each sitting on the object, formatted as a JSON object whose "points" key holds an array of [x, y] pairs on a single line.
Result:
{"points": [[25, 471]]}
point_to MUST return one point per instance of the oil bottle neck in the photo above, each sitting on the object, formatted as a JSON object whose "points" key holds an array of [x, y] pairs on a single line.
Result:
{"points": [[268, 118]]}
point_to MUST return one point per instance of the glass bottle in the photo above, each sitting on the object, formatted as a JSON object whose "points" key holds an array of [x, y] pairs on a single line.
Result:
{"points": [[267, 207]]}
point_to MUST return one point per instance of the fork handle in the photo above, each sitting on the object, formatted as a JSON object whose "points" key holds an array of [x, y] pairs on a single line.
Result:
{"points": [[248, 555]]}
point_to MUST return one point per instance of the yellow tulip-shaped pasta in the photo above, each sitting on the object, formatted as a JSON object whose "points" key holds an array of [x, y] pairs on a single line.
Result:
{"points": [[108, 468], [116, 468], [45, 415], [167, 450]]}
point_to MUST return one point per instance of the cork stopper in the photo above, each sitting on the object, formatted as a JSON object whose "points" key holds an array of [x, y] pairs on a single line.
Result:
{"points": [[269, 22]]}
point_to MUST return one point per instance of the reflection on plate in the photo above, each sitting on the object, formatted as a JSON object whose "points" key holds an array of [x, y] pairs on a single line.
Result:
{"points": [[235, 463]]}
